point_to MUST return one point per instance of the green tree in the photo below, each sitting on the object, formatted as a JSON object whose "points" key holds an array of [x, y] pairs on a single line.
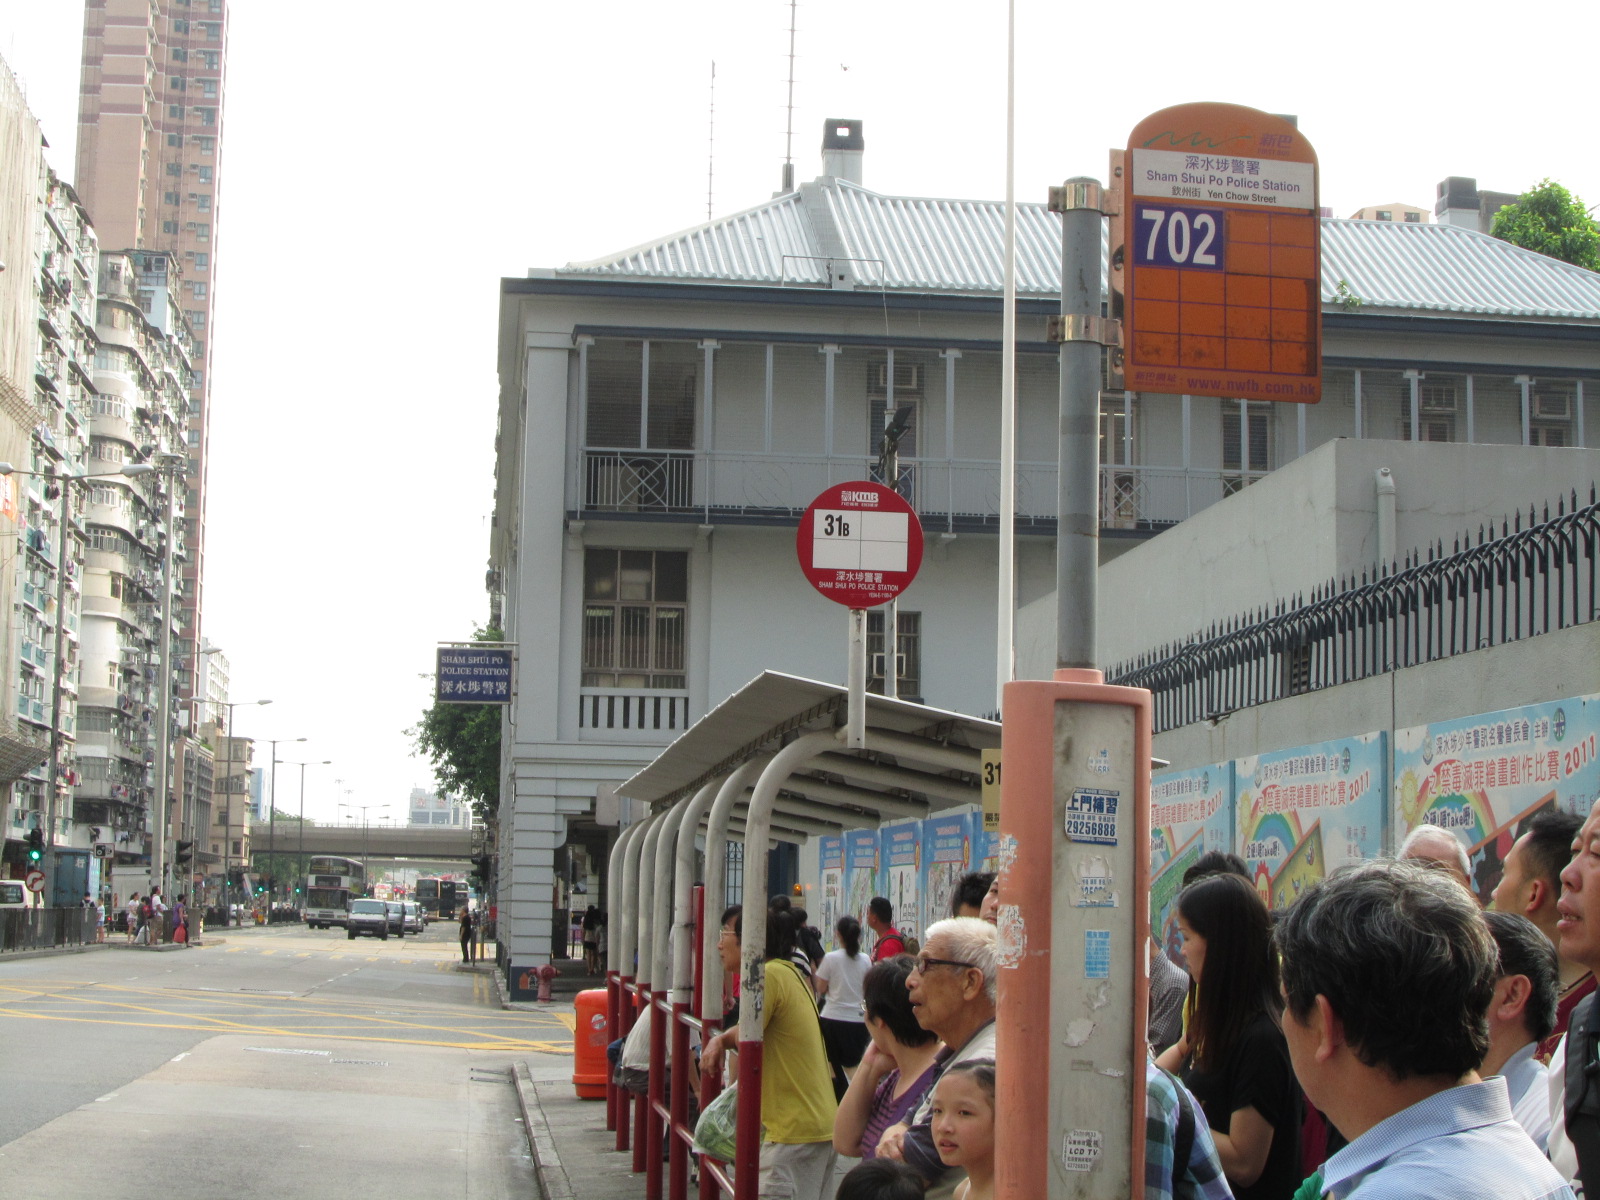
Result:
{"points": [[462, 741], [1553, 221]]}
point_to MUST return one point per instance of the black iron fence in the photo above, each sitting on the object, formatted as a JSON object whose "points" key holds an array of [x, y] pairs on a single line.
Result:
{"points": [[45, 928], [1530, 577]]}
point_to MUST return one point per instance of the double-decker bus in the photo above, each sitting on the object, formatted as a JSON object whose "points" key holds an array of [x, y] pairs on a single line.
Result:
{"points": [[438, 898], [330, 886]]}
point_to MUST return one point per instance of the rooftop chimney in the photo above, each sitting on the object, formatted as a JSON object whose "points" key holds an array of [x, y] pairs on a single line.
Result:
{"points": [[842, 147], [1458, 202]]}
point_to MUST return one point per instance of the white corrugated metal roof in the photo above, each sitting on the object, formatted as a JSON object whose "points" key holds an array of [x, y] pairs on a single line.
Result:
{"points": [[917, 244]]}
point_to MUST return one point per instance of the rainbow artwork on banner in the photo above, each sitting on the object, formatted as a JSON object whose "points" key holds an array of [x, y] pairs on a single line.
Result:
{"points": [[1308, 810], [1482, 777], [1191, 811]]}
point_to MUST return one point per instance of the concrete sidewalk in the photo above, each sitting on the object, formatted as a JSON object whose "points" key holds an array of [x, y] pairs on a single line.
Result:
{"points": [[573, 1152]]}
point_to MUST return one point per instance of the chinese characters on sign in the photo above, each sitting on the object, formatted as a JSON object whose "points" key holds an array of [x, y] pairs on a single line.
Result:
{"points": [[860, 544], [1222, 256], [473, 674]]}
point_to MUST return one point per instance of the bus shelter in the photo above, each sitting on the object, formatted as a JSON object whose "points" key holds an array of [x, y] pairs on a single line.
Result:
{"points": [[772, 763]]}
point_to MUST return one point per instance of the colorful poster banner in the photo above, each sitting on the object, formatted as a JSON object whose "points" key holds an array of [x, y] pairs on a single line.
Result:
{"points": [[830, 856], [946, 853], [1191, 811], [1483, 777], [986, 850], [1309, 810], [860, 872], [902, 861]]}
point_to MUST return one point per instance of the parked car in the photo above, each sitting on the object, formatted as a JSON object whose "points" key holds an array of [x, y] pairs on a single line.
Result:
{"points": [[416, 919], [369, 918]]}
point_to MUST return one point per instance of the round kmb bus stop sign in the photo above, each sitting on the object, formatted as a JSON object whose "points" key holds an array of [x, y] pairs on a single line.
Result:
{"points": [[860, 544]]}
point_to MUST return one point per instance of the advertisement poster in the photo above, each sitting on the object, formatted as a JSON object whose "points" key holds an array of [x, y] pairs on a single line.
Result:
{"points": [[1481, 777], [1191, 811], [860, 872], [902, 863], [946, 851], [830, 855], [1308, 810], [985, 849]]}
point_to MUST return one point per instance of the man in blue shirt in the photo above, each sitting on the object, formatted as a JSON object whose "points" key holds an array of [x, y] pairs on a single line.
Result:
{"points": [[1388, 971]]}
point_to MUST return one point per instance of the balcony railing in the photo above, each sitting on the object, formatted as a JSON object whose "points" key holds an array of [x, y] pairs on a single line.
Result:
{"points": [[947, 492], [622, 714]]}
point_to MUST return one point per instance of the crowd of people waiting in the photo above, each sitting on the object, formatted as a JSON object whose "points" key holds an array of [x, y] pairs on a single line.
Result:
{"points": [[1382, 1036]]}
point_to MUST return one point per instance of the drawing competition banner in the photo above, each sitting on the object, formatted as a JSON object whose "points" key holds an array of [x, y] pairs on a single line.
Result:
{"points": [[830, 855], [1191, 811], [1482, 777], [985, 847], [946, 853], [1309, 810], [902, 861], [860, 872]]}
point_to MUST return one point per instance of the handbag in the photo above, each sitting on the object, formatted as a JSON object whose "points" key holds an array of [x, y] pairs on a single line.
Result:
{"points": [[180, 934], [714, 1131]]}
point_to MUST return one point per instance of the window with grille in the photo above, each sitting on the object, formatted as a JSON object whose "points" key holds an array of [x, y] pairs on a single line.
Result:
{"points": [[908, 653], [635, 609], [1246, 444]]}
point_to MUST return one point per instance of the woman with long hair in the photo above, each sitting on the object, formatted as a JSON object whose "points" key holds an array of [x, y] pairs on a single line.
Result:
{"points": [[896, 1070], [1233, 1056], [839, 980]]}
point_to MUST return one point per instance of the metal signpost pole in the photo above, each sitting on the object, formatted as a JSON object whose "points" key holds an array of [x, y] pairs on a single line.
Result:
{"points": [[159, 812], [54, 784]]}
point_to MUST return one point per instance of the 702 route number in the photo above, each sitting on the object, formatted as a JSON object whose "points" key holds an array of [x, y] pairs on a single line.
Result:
{"points": [[1179, 237]]}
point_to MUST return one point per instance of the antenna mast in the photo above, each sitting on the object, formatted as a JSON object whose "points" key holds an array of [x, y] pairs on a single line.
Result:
{"points": [[711, 138], [788, 139]]}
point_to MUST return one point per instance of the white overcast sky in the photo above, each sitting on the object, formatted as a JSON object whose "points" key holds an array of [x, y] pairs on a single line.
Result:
{"points": [[386, 164]]}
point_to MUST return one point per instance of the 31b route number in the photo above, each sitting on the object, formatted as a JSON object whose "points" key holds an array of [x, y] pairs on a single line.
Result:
{"points": [[834, 525], [1179, 237]]}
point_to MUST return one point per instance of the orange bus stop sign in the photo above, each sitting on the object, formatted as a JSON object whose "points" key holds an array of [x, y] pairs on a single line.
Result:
{"points": [[1221, 256]]}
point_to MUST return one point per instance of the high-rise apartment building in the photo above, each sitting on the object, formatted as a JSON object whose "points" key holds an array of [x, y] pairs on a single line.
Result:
{"points": [[149, 171]]}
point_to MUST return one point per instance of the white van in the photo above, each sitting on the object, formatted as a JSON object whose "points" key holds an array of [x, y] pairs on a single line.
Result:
{"points": [[13, 894]]}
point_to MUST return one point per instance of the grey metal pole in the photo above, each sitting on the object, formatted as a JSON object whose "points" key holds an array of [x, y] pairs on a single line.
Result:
{"points": [[54, 783], [1078, 528], [158, 846]]}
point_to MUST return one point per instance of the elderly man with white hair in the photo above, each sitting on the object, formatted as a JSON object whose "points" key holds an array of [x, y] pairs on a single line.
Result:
{"points": [[1431, 846], [953, 991]]}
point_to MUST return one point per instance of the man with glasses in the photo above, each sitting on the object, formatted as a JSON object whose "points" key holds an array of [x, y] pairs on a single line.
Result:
{"points": [[953, 997]]}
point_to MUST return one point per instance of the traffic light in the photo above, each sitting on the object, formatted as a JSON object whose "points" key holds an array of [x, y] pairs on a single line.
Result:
{"points": [[479, 878], [35, 845], [184, 854]]}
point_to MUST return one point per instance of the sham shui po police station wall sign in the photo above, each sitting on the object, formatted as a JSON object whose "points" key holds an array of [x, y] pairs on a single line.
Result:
{"points": [[474, 673], [860, 544], [1222, 256]]}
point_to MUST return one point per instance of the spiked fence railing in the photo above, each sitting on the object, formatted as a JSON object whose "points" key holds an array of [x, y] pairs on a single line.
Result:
{"points": [[1531, 577]]}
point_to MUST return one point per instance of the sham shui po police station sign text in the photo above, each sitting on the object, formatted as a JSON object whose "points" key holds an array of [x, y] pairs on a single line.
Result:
{"points": [[860, 544], [1222, 256], [474, 674]]}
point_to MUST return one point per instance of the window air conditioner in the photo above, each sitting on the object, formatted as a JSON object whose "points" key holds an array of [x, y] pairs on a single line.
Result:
{"points": [[877, 665], [1552, 406], [907, 377]]}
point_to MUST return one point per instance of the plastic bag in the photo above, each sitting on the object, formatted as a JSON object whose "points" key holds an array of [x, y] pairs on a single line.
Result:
{"points": [[713, 1132]]}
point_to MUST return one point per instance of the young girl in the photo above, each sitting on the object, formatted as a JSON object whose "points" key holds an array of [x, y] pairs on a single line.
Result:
{"points": [[963, 1125]]}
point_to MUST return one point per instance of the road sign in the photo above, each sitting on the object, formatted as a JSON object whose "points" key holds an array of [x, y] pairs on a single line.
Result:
{"points": [[474, 673], [103, 850], [1221, 256], [860, 544], [34, 880]]}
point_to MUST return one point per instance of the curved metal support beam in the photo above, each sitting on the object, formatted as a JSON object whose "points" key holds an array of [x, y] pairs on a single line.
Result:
{"points": [[683, 894], [732, 789], [628, 934], [643, 892], [614, 873], [661, 898]]}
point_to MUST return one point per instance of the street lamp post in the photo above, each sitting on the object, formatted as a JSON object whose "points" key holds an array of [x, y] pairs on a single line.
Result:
{"points": [[227, 830], [303, 765], [272, 820], [366, 871], [127, 470]]}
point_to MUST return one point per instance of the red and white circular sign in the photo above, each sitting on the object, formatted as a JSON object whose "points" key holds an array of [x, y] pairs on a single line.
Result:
{"points": [[860, 544], [34, 880]]}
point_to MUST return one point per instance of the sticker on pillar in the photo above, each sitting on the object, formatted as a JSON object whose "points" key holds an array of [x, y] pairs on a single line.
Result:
{"points": [[1093, 883], [1097, 954], [1092, 816], [1080, 1149], [1099, 762]]}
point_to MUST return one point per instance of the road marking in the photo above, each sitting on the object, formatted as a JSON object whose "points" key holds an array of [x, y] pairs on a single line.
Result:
{"points": [[180, 1057], [103, 1099], [570, 1020]]}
